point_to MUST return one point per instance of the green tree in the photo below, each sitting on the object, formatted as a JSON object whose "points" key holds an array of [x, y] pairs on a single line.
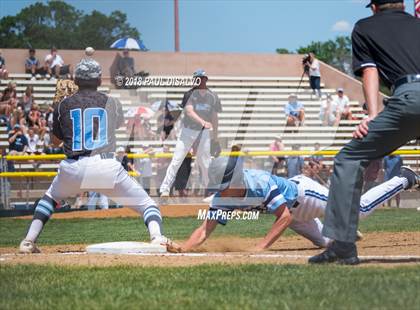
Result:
{"points": [[336, 53], [283, 51], [42, 25]]}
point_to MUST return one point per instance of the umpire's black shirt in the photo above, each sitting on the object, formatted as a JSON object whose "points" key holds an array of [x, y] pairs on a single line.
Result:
{"points": [[390, 41], [86, 122]]}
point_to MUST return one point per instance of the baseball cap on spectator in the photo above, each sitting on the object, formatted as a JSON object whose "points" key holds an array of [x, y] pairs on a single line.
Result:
{"points": [[120, 149], [88, 69], [379, 2], [340, 90], [199, 73]]}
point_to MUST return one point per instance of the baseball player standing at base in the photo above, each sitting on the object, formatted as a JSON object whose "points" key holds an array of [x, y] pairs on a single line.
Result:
{"points": [[200, 124], [387, 46], [297, 203], [86, 123]]}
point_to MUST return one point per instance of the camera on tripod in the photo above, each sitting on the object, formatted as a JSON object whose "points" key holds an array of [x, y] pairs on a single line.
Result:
{"points": [[305, 62]]}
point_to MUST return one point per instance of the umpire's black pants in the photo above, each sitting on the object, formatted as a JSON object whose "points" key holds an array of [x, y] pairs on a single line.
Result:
{"points": [[397, 124]]}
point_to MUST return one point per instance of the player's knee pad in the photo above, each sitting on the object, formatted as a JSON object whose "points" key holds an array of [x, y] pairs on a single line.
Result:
{"points": [[152, 213], [44, 208]]}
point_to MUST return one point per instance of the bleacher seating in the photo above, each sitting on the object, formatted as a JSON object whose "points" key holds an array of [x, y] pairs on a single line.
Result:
{"points": [[253, 115]]}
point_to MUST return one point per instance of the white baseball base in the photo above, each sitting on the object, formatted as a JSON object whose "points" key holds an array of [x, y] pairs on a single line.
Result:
{"points": [[125, 247]]}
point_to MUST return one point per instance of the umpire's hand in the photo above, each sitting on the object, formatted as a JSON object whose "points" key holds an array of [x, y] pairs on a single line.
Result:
{"points": [[362, 129]]}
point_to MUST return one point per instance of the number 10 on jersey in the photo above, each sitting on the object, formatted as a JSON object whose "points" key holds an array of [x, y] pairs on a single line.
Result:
{"points": [[84, 134]]}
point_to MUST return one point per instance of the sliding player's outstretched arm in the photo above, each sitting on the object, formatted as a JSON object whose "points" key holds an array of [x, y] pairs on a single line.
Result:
{"points": [[283, 220], [199, 235]]}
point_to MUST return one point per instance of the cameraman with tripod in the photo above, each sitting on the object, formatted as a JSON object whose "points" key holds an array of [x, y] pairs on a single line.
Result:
{"points": [[311, 68]]}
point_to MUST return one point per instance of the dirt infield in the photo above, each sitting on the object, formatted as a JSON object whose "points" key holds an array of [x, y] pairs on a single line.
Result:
{"points": [[383, 249]]}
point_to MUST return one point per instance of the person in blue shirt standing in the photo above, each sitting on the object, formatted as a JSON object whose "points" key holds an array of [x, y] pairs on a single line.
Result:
{"points": [[295, 164], [392, 167]]}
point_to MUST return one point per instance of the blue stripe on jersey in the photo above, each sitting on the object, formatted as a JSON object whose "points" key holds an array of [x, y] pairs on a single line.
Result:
{"points": [[381, 199], [316, 195], [272, 194]]}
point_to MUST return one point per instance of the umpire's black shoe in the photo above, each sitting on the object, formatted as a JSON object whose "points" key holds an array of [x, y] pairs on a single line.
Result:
{"points": [[411, 176], [344, 253]]}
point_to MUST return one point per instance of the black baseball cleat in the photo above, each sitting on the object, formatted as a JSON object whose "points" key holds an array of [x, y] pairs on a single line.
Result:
{"points": [[344, 253], [411, 176]]}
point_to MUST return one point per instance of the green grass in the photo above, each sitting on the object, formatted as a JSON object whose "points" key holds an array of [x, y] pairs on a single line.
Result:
{"points": [[123, 229], [209, 287]]}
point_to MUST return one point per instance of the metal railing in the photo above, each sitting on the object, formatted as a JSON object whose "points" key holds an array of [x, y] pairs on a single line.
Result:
{"points": [[5, 188]]}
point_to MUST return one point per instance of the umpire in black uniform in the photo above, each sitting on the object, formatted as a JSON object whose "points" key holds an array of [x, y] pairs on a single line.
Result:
{"points": [[386, 46]]}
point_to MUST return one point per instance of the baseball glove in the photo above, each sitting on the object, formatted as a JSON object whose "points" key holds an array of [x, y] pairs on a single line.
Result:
{"points": [[215, 148], [64, 89]]}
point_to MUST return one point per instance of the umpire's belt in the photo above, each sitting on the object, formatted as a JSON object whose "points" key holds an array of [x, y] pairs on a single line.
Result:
{"points": [[408, 79], [105, 155]]}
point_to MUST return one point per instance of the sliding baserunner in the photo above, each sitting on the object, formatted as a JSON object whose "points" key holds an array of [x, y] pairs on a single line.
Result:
{"points": [[297, 203]]}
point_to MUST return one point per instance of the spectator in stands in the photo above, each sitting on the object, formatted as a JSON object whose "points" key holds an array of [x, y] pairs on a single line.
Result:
{"points": [[167, 118], [10, 93], [144, 168], [33, 140], [18, 144], [278, 161], [18, 118], [3, 71], [34, 117], [295, 112], [392, 167], [7, 103], [314, 74], [43, 127], [49, 116], [49, 147], [55, 66], [294, 163], [27, 100], [32, 66], [343, 106], [139, 128], [126, 64], [317, 158], [328, 112]]}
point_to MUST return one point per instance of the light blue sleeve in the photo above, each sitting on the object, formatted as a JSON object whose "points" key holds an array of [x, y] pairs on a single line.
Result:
{"points": [[287, 109], [274, 199], [301, 106]]}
